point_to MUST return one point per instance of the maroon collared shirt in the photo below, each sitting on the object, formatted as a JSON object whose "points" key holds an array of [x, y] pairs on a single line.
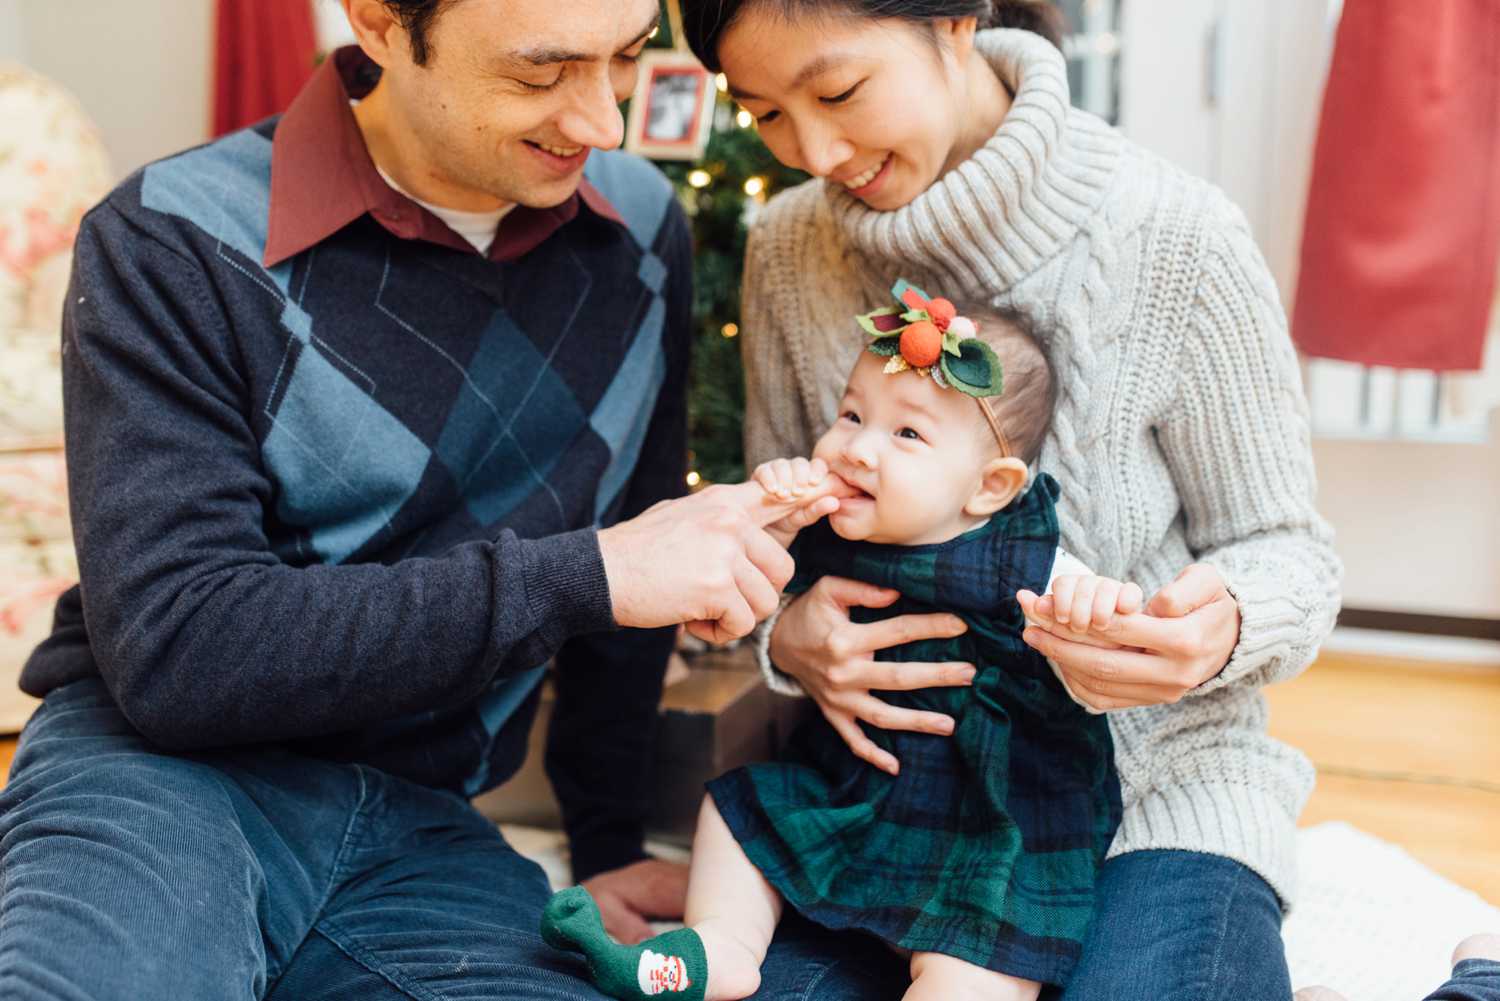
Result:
{"points": [[322, 178]]}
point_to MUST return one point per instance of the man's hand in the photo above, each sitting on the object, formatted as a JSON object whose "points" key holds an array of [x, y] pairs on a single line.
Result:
{"points": [[706, 560], [650, 889], [793, 479]]}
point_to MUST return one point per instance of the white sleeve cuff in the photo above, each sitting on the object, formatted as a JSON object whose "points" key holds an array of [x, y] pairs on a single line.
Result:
{"points": [[776, 681]]}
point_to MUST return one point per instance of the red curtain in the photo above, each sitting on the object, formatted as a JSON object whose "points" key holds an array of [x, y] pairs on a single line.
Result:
{"points": [[265, 52], [1402, 234]]}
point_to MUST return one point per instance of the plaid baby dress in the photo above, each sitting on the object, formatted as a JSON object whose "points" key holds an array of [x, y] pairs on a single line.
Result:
{"points": [[987, 845]]}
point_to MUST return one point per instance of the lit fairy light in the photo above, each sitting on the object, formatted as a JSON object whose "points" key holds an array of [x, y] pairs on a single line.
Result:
{"points": [[722, 82], [744, 118], [699, 178], [693, 479], [755, 187], [731, 329]]}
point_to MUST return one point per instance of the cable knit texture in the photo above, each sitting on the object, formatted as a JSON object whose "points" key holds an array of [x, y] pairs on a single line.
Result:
{"points": [[1181, 431]]}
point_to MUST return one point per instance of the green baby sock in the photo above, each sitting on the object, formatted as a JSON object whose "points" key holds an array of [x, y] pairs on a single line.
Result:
{"points": [[673, 963]]}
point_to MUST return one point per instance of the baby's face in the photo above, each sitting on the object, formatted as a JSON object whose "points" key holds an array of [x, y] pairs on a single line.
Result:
{"points": [[912, 448]]}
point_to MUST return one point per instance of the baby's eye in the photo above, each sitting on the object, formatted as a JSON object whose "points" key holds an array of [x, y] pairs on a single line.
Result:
{"points": [[849, 415], [908, 433]]}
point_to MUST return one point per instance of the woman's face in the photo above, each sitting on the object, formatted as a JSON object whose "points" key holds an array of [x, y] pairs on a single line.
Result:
{"points": [[873, 104]]}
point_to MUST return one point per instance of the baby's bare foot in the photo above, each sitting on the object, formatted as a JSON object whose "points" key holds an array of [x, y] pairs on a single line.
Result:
{"points": [[1318, 994], [1483, 946], [733, 968]]}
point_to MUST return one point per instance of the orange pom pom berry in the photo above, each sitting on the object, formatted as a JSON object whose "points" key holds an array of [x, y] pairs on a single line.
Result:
{"points": [[942, 312], [921, 344]]}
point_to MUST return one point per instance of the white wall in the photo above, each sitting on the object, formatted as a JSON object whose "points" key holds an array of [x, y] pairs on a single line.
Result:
{"points": [[142, 69], [12, 31]]}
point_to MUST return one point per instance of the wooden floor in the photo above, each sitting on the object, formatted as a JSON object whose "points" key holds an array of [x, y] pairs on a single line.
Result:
{"points": [[1406, 750]]}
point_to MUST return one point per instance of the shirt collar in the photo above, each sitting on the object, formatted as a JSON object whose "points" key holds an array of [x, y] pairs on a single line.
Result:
{"points": [[322, 178]]}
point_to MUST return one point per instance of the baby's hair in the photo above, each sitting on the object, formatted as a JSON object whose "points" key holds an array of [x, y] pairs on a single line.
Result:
{"points": [[1024, 409]]}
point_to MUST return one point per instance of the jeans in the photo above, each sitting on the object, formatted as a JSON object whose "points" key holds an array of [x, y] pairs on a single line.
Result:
{"points": [[1473, 980], [130, 872]]}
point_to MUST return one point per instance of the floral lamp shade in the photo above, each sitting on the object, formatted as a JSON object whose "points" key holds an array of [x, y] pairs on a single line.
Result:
{"points": [[52, 170]]}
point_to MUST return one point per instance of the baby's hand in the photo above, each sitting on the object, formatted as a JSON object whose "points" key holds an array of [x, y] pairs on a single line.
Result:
{"points": [[1084, 602], [786, 479]]}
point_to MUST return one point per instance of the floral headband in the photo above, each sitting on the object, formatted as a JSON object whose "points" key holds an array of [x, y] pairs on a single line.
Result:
{"points": [[926, 335]]}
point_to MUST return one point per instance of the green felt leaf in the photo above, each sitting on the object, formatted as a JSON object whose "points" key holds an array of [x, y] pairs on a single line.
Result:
{"points": [[950, 344], [868, 320], [912, 316], [976, 371], [902, 286], [885, 347]]}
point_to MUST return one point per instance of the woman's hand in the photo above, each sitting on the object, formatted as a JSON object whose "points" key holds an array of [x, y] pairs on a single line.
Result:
{"points": [[834, 660], [1185, 637]]}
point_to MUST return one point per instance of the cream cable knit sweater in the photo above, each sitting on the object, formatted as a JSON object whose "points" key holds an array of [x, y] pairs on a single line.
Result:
{"points": [[1181, 433]]}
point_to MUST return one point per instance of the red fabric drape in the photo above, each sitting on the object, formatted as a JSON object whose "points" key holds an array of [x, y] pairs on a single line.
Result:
{"points": [[1402, 234], [265, 52]]}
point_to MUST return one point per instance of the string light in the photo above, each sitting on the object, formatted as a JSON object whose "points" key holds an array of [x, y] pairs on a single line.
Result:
{"points": [[722, 82], [731, 329], [755, 186], [744, 118], [699, 178], [693, 479]]}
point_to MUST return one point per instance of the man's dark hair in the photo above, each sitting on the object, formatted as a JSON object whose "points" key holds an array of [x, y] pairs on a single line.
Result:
{"points": [[1025, 408], [417, 17], [705, 21]]}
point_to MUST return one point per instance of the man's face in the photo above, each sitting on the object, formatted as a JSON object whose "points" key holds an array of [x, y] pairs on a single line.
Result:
{"points": [[515, 93]]}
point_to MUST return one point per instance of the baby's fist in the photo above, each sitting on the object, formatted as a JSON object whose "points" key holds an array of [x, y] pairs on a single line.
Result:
{"points": [[1084, 602]]}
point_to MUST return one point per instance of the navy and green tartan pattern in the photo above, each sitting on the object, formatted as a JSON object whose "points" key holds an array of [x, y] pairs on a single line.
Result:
{"points": [[987, 845]]}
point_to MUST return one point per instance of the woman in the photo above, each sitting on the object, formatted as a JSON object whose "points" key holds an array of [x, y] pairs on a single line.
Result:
{"points": [[953, 158]]}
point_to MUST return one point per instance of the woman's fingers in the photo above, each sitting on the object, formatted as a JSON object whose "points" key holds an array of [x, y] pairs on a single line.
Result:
{"points": [[884, 716], [1197, 585], [901, 629], [863, 747], [1132, 600], [847, 593], [1075, 657]]}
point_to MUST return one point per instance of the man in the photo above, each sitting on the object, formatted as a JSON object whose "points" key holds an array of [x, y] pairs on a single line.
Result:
{"points": [[349, 395]]}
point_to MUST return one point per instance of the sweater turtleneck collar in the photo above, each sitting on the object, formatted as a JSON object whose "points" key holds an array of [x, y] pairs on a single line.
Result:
{"points": [[1021, 197]]}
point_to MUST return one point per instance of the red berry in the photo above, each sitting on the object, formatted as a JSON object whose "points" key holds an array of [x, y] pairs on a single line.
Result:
{"points": [[921, 344], [942, 312]]}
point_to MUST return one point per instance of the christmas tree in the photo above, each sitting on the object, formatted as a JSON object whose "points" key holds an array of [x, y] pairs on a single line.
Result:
{"points": [[721, 194]]}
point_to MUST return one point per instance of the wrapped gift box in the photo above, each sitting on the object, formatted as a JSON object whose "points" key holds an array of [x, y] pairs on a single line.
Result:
{"points": [[718, 717]]}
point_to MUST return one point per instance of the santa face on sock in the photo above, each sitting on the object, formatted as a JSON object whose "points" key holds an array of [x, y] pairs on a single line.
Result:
{"points": [[659, 974]]}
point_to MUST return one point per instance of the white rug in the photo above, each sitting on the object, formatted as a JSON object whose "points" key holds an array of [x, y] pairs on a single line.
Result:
{"points": [[1372, 922]]}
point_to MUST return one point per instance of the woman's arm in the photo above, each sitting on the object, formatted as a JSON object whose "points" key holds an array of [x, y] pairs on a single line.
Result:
{"points": [[775, 423], [1238, 444], [1264, 589]]}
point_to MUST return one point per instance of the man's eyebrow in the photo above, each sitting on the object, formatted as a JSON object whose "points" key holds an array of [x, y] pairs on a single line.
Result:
{"points": [[544, 56], [816, 68]]}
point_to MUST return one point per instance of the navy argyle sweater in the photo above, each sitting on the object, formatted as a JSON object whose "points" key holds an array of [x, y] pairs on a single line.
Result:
{"points": [[349, 503]]}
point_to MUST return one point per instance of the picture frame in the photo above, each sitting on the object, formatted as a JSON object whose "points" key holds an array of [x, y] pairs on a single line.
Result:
{"points": [[672, 109]]}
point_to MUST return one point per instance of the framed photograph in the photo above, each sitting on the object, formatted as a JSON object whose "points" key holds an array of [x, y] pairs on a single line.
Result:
{"points": [[671, 111]]}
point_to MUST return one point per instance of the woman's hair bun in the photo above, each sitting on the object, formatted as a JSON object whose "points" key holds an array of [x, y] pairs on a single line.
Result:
{"points": [[1038, 16]]}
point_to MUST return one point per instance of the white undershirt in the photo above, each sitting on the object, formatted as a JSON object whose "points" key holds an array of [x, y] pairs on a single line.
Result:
{"points": [[479, 228]]}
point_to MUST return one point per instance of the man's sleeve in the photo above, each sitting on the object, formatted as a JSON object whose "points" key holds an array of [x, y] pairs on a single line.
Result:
{"points": [[603, 727], [203, 635]]}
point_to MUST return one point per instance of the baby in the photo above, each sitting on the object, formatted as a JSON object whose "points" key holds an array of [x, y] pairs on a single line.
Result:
{"points": [[978, 858]]}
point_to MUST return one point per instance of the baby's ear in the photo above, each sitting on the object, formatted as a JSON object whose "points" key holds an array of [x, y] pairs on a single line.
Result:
{"points": [[999, 483]]}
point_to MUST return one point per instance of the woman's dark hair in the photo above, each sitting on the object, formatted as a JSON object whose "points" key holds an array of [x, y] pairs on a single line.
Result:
{"points": [[705, 21], [416, 16]]}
